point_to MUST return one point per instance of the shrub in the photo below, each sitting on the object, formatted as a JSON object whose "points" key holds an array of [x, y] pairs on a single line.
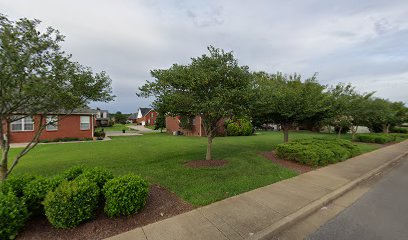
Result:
{"points": [[317, 152], [375, 138], [125, 195], [98, 175], [16, 184], [73, 173], [35, 192], [239, 127], [72, 203], [13, 215], [399, 130], [100, 135]]}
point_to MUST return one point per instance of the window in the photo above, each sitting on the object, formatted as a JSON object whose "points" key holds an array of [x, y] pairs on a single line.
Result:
{"points": [[24, 124], [151, 115], [85, 123], [105, 115], [193, 121], [52, 123], [148, 121]]}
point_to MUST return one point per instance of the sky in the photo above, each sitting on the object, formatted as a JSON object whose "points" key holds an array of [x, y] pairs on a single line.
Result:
{"points": [[359, 42]]}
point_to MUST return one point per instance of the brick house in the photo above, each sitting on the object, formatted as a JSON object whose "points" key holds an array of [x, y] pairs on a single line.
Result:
{"points": [[145, 116], [79, 124], [173, 125]]}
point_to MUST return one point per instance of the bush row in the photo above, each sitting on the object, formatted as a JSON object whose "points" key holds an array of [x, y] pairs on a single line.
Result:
{"points": [[399, 130], [375, 138], [68, 199], [317, 152]]}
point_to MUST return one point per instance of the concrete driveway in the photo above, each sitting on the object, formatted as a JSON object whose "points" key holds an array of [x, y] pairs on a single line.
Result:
{"points": [[141, 128]]}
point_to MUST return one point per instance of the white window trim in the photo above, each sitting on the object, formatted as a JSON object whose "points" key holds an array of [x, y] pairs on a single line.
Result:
{"points": [[54, 125], [80, 123], [23, 122]]}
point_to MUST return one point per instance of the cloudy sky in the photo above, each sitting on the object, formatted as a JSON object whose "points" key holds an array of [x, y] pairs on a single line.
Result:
{"points": [[361, 42]]}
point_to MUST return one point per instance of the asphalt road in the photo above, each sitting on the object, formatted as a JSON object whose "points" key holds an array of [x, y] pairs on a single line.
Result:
{"points": [[381, 213]]}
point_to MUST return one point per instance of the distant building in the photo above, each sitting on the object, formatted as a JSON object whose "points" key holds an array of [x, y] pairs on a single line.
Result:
{"points": [[78, 124], [144, 116], [102, 118], [173, 126]]}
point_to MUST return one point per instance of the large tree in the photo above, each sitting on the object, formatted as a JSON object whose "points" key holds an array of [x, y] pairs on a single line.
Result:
{"points": [[385, 113], [38, 78], [212, 86], [286, 100], [348, 108]]}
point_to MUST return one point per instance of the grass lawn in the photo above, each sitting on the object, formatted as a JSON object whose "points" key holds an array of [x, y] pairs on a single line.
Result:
{"points": [[115, 127], [159, 158]]}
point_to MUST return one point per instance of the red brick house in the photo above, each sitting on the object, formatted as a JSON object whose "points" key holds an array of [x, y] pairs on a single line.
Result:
{"points": [[173, 125], [79, 124], [145, 116]]}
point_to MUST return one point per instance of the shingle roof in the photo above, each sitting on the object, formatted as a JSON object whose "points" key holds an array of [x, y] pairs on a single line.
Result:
{"points": [[133, 116], [144, 111]]}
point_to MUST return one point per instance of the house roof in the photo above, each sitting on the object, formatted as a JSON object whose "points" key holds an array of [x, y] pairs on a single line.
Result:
{"points": [[133, 116], [145, 111]]}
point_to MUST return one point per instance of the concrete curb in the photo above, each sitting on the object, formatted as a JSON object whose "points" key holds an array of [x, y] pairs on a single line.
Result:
{"points": [[314, 206]]}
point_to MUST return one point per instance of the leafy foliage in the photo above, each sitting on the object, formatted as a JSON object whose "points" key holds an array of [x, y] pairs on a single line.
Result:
{"points": [[38, 77], [317, 152], [286, 100], [212, 86], [239, 127], [16, 184], [97, 175], [125, 195], [35, 192], [72, 203], [375, 138], [13, 215]]}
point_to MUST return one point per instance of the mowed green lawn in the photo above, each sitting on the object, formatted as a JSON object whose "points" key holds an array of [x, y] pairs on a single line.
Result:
{"points": [[159, 158]]}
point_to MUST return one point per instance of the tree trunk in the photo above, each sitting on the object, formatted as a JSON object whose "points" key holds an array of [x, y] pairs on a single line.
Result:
{"points": [[285, 133], [353, 132], [386, 128], [5, 146], [208, 156], [339, 133]]}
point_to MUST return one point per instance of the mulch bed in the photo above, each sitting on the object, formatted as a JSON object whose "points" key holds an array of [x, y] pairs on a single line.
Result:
{"points": [[206, 163], [161, 204], [298, 167]]}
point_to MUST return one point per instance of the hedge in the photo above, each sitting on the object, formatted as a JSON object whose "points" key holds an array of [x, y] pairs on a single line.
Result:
{"points": [[375, 138], [239, 127], [317, 152]]}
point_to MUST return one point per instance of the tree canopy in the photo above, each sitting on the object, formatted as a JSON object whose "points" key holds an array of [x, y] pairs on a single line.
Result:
{"points": [[212, 86], [37, 77]]}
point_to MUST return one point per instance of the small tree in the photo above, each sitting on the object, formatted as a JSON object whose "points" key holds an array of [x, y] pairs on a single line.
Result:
{"points": [[38, 78], [160, 122], [212, 86], [287, 100], [385, 113]]}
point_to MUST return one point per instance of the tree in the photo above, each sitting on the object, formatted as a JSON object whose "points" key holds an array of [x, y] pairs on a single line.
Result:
{"points": [[36, 78], [212, 86], [385, 113], [287, 101], [120, 117], [349, 109], [160, 122]]}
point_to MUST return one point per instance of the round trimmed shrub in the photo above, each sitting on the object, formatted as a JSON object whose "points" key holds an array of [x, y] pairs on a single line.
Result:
{"points": [[125, 195], [16, 184], [13, 215], [72, 203], [98, 175], [35, 192], [73, 172], [239, 127]]}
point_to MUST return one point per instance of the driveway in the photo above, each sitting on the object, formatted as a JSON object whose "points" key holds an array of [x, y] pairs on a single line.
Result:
{"points": [[141, 128]]}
